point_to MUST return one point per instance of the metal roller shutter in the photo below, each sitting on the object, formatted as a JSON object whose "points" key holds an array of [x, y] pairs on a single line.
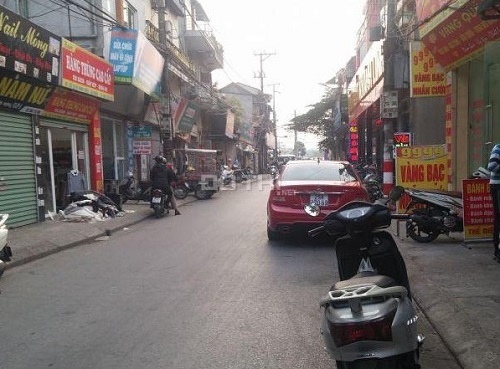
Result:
{"points": [[17, 169]]}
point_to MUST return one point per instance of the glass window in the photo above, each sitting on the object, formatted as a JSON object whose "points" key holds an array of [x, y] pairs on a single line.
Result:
{"points": [[129, 15], [318, 172]]}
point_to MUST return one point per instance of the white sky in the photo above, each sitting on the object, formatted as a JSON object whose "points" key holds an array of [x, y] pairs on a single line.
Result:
{"points": [[311, 40]]}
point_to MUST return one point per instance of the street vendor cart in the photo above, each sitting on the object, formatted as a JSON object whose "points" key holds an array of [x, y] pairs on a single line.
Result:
{"points": [[199, 170]]}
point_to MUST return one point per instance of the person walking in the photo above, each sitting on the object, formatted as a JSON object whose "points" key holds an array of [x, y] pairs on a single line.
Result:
{"points": [[494, 168]]}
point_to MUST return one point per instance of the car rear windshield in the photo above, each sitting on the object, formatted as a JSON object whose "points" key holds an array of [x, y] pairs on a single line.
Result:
{"points": [[319, 172]]}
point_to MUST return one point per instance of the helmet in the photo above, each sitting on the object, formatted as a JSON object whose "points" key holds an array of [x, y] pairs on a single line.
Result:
{"points": [[160, 159]]}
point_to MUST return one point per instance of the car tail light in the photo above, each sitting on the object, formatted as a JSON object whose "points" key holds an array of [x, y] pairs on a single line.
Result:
{"points": [[374, 330]]}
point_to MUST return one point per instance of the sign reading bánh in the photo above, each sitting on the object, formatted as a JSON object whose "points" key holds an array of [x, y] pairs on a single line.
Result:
{"points": [[478, 209]]}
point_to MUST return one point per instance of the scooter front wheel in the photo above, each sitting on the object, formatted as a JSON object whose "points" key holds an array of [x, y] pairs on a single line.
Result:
{"points": [[419, 233]]}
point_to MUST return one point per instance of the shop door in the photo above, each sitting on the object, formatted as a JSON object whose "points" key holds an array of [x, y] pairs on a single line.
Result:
{"points": [[64, 152], [17, 170]]}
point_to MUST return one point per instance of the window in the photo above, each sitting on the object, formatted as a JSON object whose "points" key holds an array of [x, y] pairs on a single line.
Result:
{"points": [[129, 15]]}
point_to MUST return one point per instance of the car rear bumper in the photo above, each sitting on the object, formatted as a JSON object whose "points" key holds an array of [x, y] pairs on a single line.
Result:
{"points": [[288, 220]]}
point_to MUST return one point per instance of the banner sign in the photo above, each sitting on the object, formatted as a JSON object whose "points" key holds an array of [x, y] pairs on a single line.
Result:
{"points": [[148, 66], [427, 76], [478, 209], [402, 139], [422, 167], [95, 148], [122, 54], [135, 60], [142, 146], [71, 106], [86, 72], [22, 93], [141, 131], [28, 49], [185, 116], [458, 34], [353, 141]]}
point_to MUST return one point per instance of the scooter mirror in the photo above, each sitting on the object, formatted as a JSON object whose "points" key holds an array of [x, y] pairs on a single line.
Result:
{"points": [[396, 193], [312, 209]]}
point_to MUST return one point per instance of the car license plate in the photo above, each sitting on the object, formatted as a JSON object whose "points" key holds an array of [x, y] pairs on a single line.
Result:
{"points": [[156, 200], [320, 200]]}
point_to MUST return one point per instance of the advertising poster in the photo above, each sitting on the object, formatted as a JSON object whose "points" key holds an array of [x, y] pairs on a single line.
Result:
{"points": [[478, 209], [427, 76], [122, 54], [148, 66], [421, 167], [86, 72], [28, 49]]}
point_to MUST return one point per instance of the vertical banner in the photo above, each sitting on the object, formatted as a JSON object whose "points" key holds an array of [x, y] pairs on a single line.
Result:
{"points": [[427, 76], [478, 209], [96, 154]]}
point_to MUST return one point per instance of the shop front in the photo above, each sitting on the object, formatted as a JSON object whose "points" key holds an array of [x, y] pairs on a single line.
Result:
{"points": [[468, 48]]}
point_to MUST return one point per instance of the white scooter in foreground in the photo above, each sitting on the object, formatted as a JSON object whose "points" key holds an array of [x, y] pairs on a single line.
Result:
{"points": [[369, 320], [5, 251]]}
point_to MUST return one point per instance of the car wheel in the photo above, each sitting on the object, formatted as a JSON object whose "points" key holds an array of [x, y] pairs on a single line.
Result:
{"points": [[273, 235]]}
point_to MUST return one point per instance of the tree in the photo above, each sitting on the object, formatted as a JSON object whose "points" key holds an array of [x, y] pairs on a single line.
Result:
{"points": [[299, 149]]}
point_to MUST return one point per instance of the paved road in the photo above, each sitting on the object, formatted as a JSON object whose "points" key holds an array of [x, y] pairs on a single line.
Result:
{"points": [[202, 290]]}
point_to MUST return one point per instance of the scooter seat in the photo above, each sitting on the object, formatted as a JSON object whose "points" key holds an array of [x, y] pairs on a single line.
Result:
{"points": [[363, 280]]}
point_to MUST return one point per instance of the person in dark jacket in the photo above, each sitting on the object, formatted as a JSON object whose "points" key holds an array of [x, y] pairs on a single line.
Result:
{"points": [[161, 177]]}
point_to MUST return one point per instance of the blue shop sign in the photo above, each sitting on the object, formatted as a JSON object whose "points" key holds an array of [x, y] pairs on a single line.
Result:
{"points": [[122, 54]]}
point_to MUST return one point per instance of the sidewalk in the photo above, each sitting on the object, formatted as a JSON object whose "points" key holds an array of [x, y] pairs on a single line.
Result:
{"points": [[457, 288], [38, 240]]}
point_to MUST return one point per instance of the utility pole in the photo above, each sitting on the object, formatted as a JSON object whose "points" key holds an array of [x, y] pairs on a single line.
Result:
{"points": [[275, 127], [390, 48], [261, 76]]}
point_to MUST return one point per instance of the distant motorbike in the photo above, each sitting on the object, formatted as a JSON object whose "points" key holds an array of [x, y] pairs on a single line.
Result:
{"points": [[273, 171], [227, 175], [241, 175], [5, 250], [158, 202], [128, 191]]}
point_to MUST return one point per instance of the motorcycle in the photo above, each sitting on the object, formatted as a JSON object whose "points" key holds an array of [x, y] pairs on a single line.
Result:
{"points": [[128, 191], [5, 250], [182, 188], [369, 320], [432, 213], [158, 202], [371, 180], [227, 175], [241, 175]]}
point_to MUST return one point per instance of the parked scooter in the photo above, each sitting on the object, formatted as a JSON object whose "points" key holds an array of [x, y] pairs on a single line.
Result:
{"points": [[158, 202], [432, 213], [369, 320], [241, 175], [5, 250], [129, 192], [227, 175]]}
